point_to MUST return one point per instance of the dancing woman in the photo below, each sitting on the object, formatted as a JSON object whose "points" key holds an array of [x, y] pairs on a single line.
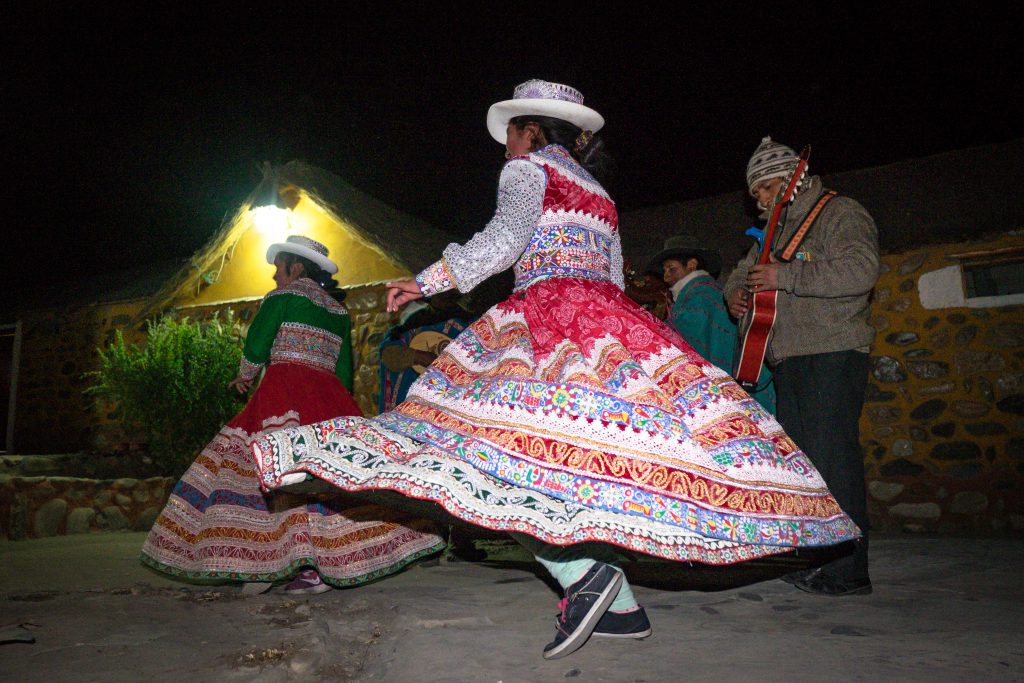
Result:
{"points": [[217, 524], [567, 414]]}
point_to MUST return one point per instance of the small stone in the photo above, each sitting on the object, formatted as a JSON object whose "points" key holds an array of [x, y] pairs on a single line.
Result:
{"points": [[873, 394], [1015, 448], [916, 510], [980, 313], [1013, 404], [973, 362], [928, 410], [884, 268], [964, 471], [1006, 335], [882, 294], [965, 334], [906, 285], [80, 520], [146, 519], [49, 518], [939, 338], [140, 495], [1010, 384], [122, 500], [968, 503], [943, 388], [879, 322], [897, 305], [102, 498], [917, 353], [931, 322], [956, 450], [928, 369], [902, 448], [126, 483], [900, 468], [884, 490], [112, 519], [985, 428], [883, 432], [883, 414], [902, 338], [913, 263], [918, 434], [888, 369], [956, 318], [944, 429], [985, 387], [970, 408]]}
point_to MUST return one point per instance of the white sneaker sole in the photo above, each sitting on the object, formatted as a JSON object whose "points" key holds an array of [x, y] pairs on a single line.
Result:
{"points": [[309, 590]]}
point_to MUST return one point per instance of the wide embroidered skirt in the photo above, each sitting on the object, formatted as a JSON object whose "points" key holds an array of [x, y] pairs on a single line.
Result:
{"points": [[569, 413], [218, 524]]}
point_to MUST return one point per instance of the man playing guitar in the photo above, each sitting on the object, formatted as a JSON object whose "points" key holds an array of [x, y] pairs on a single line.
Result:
{"points": [[819, 341]]}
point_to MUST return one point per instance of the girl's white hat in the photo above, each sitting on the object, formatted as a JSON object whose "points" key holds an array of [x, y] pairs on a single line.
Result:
{"points": [[305, 247], [541, 98]]}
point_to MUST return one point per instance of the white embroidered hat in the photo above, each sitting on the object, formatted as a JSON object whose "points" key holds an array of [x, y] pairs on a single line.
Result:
{"points": [[542, 98], [305, 247]]}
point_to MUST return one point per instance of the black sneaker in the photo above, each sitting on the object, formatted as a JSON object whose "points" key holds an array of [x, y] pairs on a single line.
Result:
{"points": [[584, 604], [633, 624]]}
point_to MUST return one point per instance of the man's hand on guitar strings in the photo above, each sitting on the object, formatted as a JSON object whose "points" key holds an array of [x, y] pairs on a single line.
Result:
{"points": [[763, 277]]}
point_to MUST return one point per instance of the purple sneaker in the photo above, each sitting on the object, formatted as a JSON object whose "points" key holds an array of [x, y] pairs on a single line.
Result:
{"points": [[308, 582]]}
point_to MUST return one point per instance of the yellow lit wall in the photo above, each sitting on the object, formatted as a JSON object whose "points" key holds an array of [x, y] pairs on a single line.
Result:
{"points": [[245, 273]]}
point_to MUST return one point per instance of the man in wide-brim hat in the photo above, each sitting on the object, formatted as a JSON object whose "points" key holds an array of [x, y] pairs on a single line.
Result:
{"points": [[698, 311]]}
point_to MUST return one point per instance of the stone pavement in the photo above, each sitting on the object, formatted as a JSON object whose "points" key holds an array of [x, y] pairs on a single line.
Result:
{"points": [[944, 609]]}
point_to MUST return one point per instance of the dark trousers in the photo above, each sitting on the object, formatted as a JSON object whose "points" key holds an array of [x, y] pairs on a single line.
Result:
{"points": [[820, 398]]}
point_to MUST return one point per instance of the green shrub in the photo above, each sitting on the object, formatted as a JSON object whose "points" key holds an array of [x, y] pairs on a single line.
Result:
{"points": [[175, 387]]}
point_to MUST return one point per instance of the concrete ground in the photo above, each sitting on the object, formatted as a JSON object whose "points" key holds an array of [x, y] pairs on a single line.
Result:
{"points": [[943, 610]]}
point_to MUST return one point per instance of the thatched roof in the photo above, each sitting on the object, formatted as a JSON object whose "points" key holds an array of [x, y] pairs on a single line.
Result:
{"points": [[397, 236]]}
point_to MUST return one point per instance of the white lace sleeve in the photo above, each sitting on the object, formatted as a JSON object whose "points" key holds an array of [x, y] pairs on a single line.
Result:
{"points": [[618, 277], [506, 236]]}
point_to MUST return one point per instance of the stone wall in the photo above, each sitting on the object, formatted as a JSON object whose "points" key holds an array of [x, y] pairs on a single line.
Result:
{"points": [[35, 507], [58, 347], [942, 428]]}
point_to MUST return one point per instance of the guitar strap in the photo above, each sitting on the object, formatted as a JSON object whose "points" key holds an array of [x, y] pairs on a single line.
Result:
{"points": [[801, 233]]}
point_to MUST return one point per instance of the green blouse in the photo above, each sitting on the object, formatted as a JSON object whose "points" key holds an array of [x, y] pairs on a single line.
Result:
{"points": [[301, 324]]}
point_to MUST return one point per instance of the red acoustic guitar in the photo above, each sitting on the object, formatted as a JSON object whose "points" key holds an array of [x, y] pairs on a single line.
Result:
{"points": [[756, 325]]}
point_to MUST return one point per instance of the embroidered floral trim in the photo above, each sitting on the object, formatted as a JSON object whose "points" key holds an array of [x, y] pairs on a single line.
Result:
{"points": [[306, 345], [435, 279], [308, 289], [247, 371]]}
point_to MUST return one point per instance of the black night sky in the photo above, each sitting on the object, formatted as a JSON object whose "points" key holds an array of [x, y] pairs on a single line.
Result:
{"points": [[131, 131]]}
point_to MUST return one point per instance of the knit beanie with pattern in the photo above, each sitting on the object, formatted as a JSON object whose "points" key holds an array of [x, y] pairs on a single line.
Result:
{"points": [[770, 160]]}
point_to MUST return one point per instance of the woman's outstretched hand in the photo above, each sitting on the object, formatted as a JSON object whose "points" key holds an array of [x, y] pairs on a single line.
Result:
{"points": [[401, 292], [240, 385]]}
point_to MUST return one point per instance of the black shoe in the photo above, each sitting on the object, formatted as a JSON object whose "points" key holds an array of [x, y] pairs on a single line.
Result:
{"points": [[584, 604], [824, 584], [796, 578], [633, 624]]}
